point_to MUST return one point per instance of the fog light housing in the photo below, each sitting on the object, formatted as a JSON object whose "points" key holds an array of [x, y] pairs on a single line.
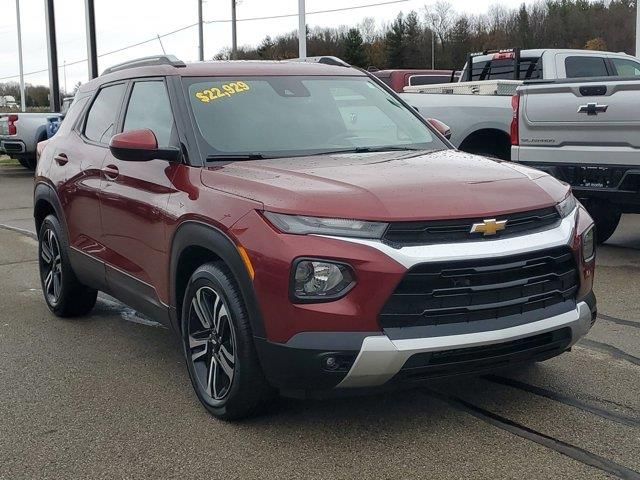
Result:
{"points": [[588, 244], [320, 280]]}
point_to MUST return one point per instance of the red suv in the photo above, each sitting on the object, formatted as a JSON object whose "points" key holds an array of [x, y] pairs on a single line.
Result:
{"points": [[304, 231]]}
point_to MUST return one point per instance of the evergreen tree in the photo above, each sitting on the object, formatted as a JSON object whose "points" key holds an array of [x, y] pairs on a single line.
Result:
{"points": [[354, 52], [395, 43], [414, 54]]}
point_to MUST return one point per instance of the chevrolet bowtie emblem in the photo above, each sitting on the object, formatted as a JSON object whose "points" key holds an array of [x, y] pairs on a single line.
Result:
{"points": [[489, 227]]}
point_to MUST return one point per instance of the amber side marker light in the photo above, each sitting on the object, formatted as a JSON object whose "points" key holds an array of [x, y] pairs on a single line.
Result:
{"points": [[247, 261]]}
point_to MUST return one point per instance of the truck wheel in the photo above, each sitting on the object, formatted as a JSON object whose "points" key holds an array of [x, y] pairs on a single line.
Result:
{"points": [[605, 217], [218, 345], [27, 162], [64, 294]]}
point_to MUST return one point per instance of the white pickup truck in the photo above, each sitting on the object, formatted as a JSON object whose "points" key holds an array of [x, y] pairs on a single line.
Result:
{"points": [[478, 109], [586, 133]]}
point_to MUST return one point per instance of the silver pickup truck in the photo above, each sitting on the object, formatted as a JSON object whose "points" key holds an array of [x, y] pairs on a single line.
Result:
{"points": [[478, 109], [20, 134], [586, 133]]}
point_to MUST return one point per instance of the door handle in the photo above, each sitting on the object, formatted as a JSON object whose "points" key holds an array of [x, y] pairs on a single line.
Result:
{"points": [[110, 172], [61, 159]]}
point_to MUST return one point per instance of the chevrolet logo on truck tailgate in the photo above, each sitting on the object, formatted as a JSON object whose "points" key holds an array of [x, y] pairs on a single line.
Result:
{"points": [[489, 227]]}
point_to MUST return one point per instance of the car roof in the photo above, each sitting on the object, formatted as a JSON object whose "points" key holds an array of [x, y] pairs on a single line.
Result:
{"points": [[226, 68]]}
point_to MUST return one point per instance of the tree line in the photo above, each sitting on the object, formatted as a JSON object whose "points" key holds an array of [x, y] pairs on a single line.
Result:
{"points": [[408, 40]]}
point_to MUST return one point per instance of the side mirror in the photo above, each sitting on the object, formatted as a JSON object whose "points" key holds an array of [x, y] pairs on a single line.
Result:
{"points": [[442, 128], [140, 146]]}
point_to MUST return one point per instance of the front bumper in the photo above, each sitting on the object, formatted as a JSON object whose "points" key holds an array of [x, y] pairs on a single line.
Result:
{"points": [[373, 360], [380, 358]]}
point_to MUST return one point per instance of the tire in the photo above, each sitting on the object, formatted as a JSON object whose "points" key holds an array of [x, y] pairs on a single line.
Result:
{"points": [[222, 361], [27, 162], [606, 219], [64, 294]]}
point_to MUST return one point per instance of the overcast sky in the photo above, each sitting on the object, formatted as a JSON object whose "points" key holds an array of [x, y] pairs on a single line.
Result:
{"points": [[124, 22]]}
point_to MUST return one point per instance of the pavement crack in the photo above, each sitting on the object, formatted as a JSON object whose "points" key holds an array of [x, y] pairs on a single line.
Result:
{"points": [[565, 399], [619, 321], [572, 451], [609, 349]]}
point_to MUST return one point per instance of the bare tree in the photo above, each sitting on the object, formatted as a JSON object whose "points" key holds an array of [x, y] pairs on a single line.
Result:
{"points": [[440, 18]]}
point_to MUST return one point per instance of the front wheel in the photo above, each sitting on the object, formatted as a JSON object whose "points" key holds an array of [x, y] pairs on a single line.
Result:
{"points": [[218, 345]]}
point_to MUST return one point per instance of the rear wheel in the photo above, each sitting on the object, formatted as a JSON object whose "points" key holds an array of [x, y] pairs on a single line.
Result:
{"points": [[64, 294], [218, 345], [27, 162], [606, 218]]}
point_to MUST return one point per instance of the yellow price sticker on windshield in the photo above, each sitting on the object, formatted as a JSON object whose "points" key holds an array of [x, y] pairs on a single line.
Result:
{"points": [[227, 90]]}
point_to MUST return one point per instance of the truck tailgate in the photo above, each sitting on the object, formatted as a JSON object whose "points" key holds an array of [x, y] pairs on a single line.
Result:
{"points": [[601, 114]]}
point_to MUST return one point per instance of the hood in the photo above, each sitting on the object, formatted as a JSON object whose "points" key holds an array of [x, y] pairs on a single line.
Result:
{"points": [[389, 186]]}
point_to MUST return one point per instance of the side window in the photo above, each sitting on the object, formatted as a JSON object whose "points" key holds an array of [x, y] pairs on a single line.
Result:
{"points": [[626, 67], [102, 115], [429, 79], [585, 67], [149, 107]]}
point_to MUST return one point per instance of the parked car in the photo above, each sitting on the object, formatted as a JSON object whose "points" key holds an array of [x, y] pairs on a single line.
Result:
{"points": [[584, 132], [21, 132], [478, 109], [398, 79], [304, 231]]}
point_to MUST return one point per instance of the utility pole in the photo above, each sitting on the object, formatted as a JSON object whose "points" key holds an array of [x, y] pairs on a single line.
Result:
{"points": [[64, 69], [200, 33], [23, 105], [92, 47], [234, 37], [52, 48], [302, 30]]}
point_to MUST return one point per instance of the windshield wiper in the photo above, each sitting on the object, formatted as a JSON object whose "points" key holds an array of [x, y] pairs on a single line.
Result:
{"points": [[389, 148], [231, 157]]}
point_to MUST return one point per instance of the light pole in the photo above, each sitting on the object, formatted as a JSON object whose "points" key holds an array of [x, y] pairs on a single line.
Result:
{"points": [[637, 29], [200, 33], [234, 37], [23, 105], [433, 50], [302, 30]]}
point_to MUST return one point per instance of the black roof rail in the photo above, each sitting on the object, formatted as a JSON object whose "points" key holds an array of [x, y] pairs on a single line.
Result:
{"points": [[146, 62], [326, 59]]}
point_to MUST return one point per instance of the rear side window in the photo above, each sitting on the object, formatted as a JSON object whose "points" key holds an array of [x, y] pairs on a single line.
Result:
{"points": [[626, 68], [149, 107], [102, 115], [429, 79], [585, 67]]}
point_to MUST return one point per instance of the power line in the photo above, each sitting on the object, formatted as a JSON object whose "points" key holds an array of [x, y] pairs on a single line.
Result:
{"points": [[288, 15], [186, 27]]}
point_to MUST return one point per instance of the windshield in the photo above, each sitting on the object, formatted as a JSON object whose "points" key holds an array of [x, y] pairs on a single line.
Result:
{"points": [[292, 116]]}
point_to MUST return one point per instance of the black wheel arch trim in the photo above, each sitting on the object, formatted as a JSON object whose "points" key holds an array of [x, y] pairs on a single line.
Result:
{"points": [[192, 233], [45, 192]]}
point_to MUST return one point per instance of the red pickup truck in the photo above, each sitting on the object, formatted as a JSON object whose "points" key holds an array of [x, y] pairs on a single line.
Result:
{"points": [[304, 231]]}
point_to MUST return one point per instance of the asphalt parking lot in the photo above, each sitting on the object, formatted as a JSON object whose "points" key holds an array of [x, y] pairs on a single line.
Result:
{"points": [[108, 396]]}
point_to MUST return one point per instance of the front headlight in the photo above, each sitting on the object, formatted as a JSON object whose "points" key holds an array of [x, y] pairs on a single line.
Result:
{"points": [[588, 244], [566, 206], [302, 225]]}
